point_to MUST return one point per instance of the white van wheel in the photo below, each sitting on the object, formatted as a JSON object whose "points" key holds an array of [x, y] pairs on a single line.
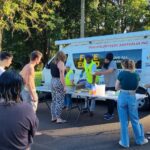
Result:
{"points": [[143, 104]]}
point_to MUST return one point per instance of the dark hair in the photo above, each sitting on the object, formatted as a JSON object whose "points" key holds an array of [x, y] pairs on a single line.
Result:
{"points": [[10, 86], [35, 54], [5, 55], [109, 56], [89, 56]]}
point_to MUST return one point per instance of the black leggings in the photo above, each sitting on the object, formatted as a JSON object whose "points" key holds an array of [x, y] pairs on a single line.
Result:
{"points": [[110, 103]]}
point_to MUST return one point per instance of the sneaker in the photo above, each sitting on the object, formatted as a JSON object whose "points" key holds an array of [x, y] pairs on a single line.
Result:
{"points": [[148, 133], [53, 119], [109, 117], [91, 113], [59, 121], [106, 114], [38, 133], [84, 110], [64, 107], [145, 141], [120, 143]]}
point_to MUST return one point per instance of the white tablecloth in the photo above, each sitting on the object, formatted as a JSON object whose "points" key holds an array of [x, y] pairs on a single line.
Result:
{"points": [[70, 90]]}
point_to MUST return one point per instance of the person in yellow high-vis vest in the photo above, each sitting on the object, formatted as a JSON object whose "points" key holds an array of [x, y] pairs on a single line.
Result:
{"points": [[69, 81], [91, 79]]}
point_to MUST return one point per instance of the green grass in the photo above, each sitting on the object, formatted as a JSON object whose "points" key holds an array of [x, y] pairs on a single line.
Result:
{"points": [[38, 78]]}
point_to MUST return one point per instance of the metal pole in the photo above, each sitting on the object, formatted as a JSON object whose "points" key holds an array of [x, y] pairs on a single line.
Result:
{"points": [[82, 22]]}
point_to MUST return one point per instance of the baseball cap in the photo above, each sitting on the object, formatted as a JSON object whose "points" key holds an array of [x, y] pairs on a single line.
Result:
{"points": [[88, 56]]}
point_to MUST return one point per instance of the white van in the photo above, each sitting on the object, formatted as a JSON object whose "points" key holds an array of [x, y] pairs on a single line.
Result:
{"points": [[134, 45]]}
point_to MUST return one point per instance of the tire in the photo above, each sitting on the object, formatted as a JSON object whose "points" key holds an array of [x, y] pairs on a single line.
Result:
{"points": [[144, 104]]}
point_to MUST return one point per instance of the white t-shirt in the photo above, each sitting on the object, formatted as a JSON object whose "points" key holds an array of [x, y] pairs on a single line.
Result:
{"points": [[1, 70]]}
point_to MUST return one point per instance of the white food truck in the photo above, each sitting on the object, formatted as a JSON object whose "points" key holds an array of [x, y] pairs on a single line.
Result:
{"points": [[134, 45]]}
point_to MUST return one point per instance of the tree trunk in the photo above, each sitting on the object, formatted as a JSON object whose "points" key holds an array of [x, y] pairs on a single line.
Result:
{"points": [[45, 47], [1, 36]]}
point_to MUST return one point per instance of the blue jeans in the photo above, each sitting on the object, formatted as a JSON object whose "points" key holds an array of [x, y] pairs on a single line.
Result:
{"points": [[91, 103], [68, 100], [127, 108]]}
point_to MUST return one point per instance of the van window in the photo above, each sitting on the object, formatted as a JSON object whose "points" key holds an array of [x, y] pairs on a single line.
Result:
{"points": [[99, 57]]}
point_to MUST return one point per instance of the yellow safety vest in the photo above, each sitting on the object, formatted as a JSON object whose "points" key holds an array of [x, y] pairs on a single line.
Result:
{"points": [[88, 71], [67, 78]]}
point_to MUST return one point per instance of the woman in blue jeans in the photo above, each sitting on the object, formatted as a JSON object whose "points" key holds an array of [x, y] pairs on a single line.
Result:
{"points": [[127, 82]]}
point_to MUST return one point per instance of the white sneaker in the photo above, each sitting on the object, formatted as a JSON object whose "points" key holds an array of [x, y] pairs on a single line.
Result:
{"points": [[145, 141], [120, 143], [38, 133], [59, 120]]}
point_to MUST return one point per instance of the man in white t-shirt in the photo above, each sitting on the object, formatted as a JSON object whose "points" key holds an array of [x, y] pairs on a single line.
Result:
{"points": [[5, 60]]}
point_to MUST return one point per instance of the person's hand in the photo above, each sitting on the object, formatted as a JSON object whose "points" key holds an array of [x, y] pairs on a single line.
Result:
{"points": [[34, 98], [98, 73], [147, 85], [65, 89]]}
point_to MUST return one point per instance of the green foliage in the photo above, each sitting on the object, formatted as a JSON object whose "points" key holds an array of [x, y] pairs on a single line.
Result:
{"points": [[38, 78], [117, 16], [24, 15], [28, 25]]}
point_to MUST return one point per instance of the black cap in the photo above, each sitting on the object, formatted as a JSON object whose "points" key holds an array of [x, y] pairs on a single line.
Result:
{"points": [[109, 56], [88, 56]]}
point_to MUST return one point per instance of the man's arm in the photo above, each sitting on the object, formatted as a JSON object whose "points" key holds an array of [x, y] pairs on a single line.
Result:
{"points": [[112, 67], [104, 72], [31, 84], [117, 85], [147, 85]]}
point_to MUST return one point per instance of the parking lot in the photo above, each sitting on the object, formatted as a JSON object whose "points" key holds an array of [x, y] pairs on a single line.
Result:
{"points": [[89, 133]]}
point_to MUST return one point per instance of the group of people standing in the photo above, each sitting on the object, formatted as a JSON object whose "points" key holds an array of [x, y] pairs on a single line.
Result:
{"points": [[18, 102], [126, 81], [23, 122]]}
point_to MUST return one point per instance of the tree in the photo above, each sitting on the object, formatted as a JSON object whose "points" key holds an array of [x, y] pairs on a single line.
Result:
{"points": [[117, 16], [26, 15]]}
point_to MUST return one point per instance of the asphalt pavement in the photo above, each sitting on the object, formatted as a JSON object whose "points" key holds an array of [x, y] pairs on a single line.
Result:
{"points": [[88, 133]]}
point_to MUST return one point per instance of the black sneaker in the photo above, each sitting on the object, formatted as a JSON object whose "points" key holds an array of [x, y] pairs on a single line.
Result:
{"points": [[84, 110], [91, 113], [109, 117], [107, 114]]}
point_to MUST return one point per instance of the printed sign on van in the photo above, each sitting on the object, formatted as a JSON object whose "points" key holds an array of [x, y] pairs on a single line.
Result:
{"points": [[98, 58]]}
